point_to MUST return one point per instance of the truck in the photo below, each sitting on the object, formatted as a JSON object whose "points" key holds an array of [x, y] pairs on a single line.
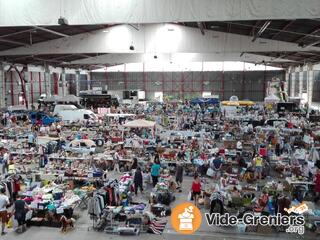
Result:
{"points": [[98, 100]]}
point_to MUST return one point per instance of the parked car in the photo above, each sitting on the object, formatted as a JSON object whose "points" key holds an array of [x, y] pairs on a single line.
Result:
{"points": [[278, 122], [81, 146], [21, 115]]}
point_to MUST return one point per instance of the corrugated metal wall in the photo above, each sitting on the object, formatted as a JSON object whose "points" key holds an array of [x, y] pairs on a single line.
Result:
{"points": [[35, 85], [244, 84]]}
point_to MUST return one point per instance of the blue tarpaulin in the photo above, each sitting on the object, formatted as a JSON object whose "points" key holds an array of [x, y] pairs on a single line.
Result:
{"points": [[205, 101]]}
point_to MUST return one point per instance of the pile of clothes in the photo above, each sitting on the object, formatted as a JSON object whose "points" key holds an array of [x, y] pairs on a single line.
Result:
{"points": [[52, 198]]}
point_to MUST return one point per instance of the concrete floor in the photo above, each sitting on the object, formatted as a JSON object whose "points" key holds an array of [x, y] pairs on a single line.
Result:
{"points": [[205, 232]]}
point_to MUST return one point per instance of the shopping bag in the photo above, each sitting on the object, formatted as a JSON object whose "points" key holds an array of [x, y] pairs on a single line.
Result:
{"points": [[10, 223], [190, 196], [210, 172], [201, 199], [29, 215]]}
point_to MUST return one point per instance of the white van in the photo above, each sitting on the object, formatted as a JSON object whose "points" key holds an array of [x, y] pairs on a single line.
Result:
{"points": [[77, 115], [60, 107]]}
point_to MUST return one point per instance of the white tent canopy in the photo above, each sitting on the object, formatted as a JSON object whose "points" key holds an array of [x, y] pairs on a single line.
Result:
{"points": [[47, 12], [271, 99], [140, 123]]}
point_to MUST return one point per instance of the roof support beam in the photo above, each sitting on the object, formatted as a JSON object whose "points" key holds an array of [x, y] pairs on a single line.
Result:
{"points": [[177, 57], [311, 44], [51, 31], [154, 38], [283, 29], [14, 42], [274, 29], [84, 55], [46, 60], [16, 33], [284, 55], [310, 34]]}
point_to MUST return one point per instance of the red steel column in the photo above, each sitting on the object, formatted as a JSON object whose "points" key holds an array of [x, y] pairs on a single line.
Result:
{"points": [[31, 87], [182, 85], [40, 90], [264, 81], [222, 85], [243, 82], [125, 78], [11, 85], [90, 81], [202, 83], [162, 81], [55, 83], [144, 79], [107, 79], [5, 87]]}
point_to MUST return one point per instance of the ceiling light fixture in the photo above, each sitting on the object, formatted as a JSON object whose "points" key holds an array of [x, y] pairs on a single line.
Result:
{"points": [[63, 21], [262, 29]]}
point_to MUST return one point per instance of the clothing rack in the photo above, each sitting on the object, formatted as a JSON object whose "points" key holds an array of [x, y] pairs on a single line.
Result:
{"points": [[93, 214], [110, 189], [10, 190]]}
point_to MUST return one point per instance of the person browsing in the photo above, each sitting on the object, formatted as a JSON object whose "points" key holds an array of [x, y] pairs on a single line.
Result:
{"points": [[155, 172]]}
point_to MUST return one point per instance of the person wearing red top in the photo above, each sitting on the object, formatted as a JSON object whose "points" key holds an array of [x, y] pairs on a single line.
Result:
{"points": [[196, 188], [317, 186]]}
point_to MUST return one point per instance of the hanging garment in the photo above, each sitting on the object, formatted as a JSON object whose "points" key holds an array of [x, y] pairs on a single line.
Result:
{"points": [[94, 207]]}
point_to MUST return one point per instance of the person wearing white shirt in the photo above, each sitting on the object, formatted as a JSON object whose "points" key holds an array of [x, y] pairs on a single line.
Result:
{"points": [[239, 146], [311, 166], [314, 155], [116, 160], [5, 160], [4, 202]]}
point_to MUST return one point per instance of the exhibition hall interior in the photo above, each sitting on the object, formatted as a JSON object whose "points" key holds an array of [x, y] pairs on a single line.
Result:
{"points": [[160, 119]]}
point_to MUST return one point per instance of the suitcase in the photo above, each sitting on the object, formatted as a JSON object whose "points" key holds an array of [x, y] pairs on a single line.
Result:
{"points": [[128, 231]]}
